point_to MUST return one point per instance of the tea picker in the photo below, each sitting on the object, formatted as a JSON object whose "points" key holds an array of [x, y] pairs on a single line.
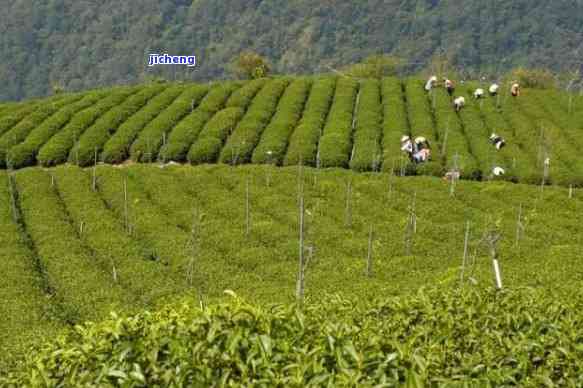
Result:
{"points": [[449, 86], [497, 141], [493, 90], [459, 103], [479, 93], [422, 150], [430, 83], [418, 150], [515, 89]]}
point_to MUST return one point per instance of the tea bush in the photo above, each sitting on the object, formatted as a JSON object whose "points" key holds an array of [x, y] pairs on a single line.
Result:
{"points": [[275, 138], [117, 148], [303, 142], [95, 137], [240, 145], [335, 145], [56, 150], [187, 130]]}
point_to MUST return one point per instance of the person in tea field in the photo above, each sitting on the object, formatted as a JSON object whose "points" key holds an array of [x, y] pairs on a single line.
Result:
{"points": [[406, 144], [418, 150], [515, 89], [498, 171], [422, 150], [479, 93], [449, 86], [497, 141], [493, 90], [459, 103], [430, 83]]}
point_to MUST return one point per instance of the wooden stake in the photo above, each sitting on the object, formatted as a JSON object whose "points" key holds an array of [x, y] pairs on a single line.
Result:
{"points": [[247, 209], [348, 213], [300, 282], [12, 188], [519, 227], [369, 253], [94, 180], [570, 191], [464, 259], [125, 207]]}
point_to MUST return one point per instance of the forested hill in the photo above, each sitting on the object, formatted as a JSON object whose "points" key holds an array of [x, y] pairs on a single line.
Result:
{"points": [[82, 44]]}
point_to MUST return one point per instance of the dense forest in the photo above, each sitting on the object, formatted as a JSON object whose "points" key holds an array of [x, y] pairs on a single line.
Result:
{"points": [[81, 44]]}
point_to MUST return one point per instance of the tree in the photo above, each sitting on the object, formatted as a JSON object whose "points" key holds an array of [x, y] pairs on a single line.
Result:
{"points": [[375, 66], [250, 65]]}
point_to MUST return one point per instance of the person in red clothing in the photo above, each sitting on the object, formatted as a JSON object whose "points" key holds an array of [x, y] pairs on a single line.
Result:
{"points": [[449, 86]]}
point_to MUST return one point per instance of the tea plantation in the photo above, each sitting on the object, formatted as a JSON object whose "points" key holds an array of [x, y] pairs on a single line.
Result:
{"points": [[136, 207], [320, 121], [79, 243]]}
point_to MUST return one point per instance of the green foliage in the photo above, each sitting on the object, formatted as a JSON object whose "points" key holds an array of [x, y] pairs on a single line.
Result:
{"points": [[25, 153], [395, 125], [303, 143], [243, 96], [296, 37], [109, 248], [409, 341], [19, 132], [313, 120], [250, 65], [375, 66], [244, 139], [187, 130], [153, 136], [274, 140], [368, 132], [82, 283], [56, 150], [207, 147], [533, 78], [117, 148], [22, 297], [422, 123], [95, 137], [336, 142], [11, 117]]}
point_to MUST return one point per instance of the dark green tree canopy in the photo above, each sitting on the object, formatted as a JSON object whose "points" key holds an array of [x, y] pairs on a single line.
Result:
{"points": [[81, 44]]}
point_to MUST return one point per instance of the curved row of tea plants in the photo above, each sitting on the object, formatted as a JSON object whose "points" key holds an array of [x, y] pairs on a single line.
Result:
{"points": [[274, 140], [368, 130], [244, 138], [304, 139], [321, 121], [335, 144], [188, 129]]}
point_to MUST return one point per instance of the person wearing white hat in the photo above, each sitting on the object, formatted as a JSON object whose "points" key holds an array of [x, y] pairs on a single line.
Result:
{"points": [[449, 86], [479, 93], [498, 171], [459, 103], [493, 90], [515, 89], [497, 141], [430, 83], [406, 144]]}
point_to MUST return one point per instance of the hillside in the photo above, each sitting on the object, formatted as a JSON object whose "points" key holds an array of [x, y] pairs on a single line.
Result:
{"points": [[78, 243], [83, 45], [318, 121]]}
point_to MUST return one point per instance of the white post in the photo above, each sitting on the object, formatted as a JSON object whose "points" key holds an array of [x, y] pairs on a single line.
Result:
{"points": [[497, 273]]}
